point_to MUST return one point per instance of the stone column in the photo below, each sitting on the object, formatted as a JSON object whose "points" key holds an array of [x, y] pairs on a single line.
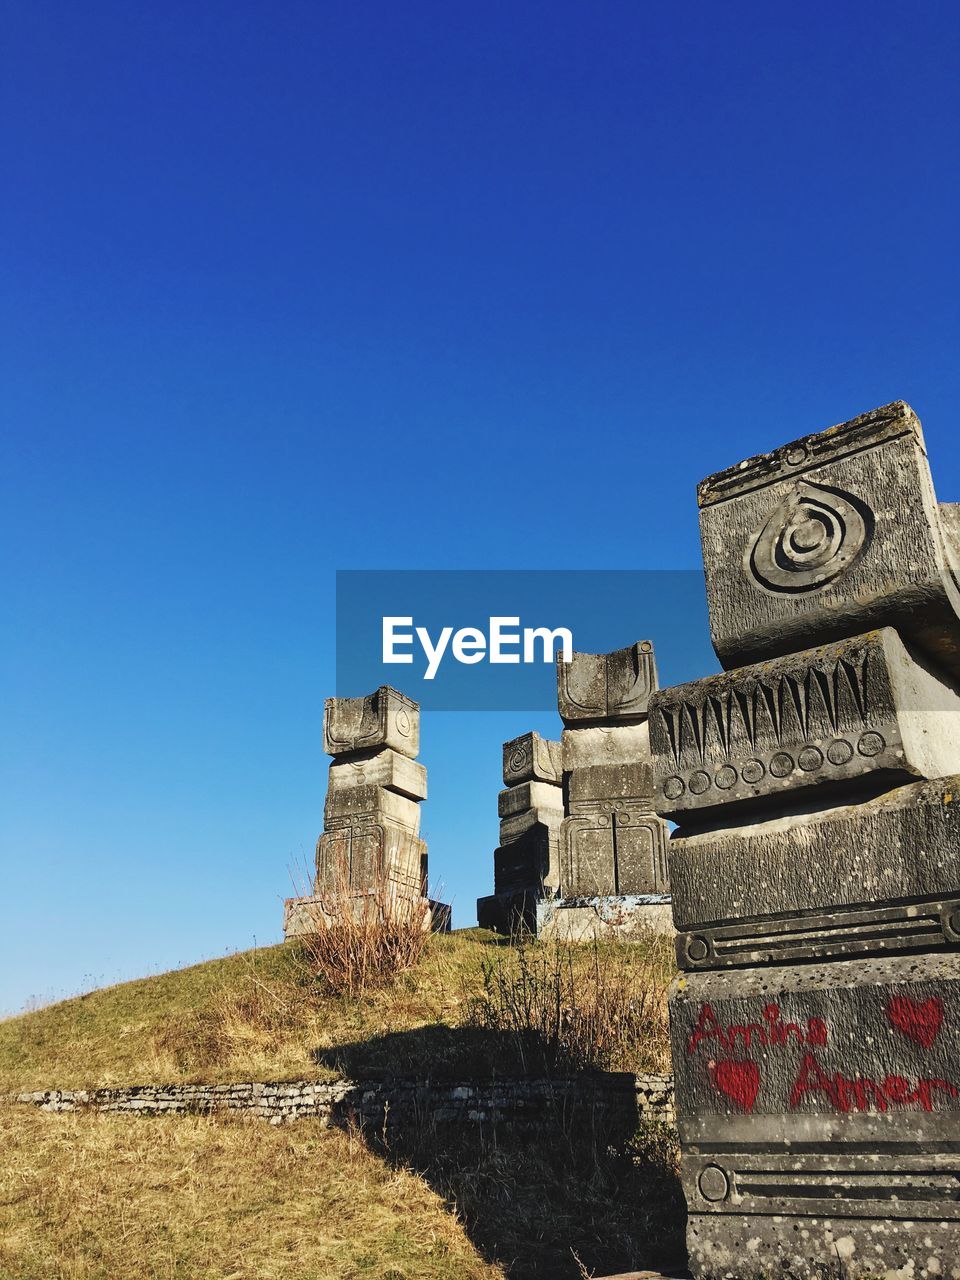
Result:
{"points": [[370, 842], [816, 866], [526, 865], [613, 876]]}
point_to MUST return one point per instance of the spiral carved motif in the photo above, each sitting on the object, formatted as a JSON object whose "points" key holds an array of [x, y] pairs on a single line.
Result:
{"points": [[812, 537]]}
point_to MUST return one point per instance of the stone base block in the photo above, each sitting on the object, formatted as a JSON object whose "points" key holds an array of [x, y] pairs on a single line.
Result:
{"points": [[648, 1275], [819, 1114], [821, 1248], [879, 876], [575, 919], [623, 916], [513, 911], [311, 914]]}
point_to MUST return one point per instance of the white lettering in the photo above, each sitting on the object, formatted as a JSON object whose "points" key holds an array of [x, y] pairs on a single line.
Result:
{"points": [[532, 634], [391, 639], [434, 652], [469, 645], [499, 637]]}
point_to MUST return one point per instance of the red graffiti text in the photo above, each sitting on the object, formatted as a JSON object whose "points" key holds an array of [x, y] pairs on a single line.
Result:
{"points": [[859, 1093], [772, 1032]]}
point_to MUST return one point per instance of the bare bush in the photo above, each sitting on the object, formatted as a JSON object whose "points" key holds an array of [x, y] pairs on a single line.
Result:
{"points": [[600, 1006], [363, 938]]}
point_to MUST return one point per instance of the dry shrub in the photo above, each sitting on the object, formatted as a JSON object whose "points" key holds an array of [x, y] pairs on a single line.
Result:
{"points": [[578, 1007], [364, 938]]}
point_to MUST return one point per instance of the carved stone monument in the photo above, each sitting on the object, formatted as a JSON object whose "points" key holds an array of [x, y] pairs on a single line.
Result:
{"points": [[526, 865], [612, 844], [582, 853], [816, 867], [370, 848]]}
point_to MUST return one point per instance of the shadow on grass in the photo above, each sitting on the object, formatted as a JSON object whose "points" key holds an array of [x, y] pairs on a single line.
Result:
{"points": [[574, 1190], [436, 1052]]}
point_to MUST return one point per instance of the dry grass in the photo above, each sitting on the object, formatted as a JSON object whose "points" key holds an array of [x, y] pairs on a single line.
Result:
{"points": [[258, 1015], [99, 1197], [600, 1006], [263, 1015], [87, 1197]]}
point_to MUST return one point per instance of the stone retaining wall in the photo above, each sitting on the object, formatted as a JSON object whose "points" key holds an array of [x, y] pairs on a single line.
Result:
{"points": [[393, 1103]]}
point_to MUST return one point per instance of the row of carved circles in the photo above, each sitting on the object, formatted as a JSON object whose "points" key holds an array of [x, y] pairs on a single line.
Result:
{"points": [[782, 764]]}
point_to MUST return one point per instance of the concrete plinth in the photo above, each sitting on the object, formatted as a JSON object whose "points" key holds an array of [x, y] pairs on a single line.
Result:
{"points": [[577, 919], [310, 914], [622, 916]]}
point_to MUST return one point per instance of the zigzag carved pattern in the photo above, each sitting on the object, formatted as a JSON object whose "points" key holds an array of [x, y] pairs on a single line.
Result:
{"points": [[779, 710]]}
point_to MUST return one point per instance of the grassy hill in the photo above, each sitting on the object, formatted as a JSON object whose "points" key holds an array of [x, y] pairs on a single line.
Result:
{"points": [[90, 1197], [261, 1015], [256, 1015]]}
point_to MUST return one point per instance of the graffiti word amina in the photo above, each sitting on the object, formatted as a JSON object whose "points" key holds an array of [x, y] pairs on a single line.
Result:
{"points": [[772, 1032]]}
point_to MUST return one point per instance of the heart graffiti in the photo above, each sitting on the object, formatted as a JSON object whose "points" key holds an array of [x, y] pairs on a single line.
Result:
{"points": [[740, 1081], [918, 1021]]}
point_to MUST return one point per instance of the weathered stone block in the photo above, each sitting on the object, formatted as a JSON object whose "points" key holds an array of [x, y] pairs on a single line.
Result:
{"points": [[874, 877], [382, 719], [531, 758], [830, 536], [604, 744], [625, 916], [357, 804], [950, 524], [632, 783], [529, 795], [819, 1115], [532, 861], [387, 768], [863, 706], [302, 916], [513, 827], [613, 847], [511, 911], [595, 687], [370, 851]]}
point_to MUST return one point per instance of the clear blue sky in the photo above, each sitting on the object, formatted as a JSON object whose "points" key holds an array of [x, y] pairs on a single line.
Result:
{"points": [[304, 286]]}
